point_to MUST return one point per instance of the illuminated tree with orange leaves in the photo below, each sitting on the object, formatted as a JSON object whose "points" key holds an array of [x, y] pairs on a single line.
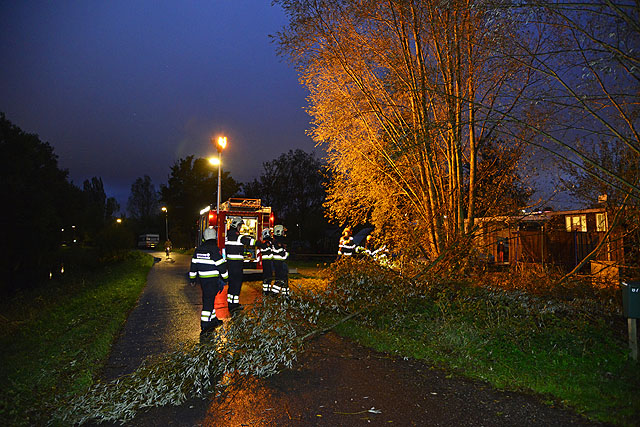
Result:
{"points": [[403, 94]]}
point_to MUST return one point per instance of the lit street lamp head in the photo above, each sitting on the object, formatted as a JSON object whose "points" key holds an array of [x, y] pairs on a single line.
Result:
{"points": [[222, 143]]}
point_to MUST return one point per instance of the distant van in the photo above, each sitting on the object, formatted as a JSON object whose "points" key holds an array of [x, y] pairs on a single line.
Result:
{"points": [[148, 241]]}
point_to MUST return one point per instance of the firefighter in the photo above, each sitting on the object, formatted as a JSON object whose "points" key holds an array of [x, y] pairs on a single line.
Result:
{"points": [[234, 254], [265, 252], [280, 254], [367, 249], [208, 265], [346, 246]]}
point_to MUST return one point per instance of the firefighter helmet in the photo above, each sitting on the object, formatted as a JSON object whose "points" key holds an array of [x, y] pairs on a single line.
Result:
{"points": [[210, 233], [236, 223], [279, 230], [266, 233]]}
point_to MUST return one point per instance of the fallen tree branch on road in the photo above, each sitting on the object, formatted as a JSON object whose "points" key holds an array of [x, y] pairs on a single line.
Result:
{"points": [[260, 343], [317, 332]]}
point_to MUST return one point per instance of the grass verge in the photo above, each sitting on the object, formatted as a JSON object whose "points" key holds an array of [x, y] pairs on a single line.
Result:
{"points": [[56, 338], [570, 355]]}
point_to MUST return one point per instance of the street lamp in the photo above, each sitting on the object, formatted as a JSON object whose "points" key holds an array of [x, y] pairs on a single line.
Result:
{"points": [[166, 221], [215, 161], [220, 145]]}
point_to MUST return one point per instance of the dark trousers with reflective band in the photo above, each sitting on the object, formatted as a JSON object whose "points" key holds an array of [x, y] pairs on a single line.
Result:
{"points": [[235, 282], [208, 314], [281, 284], [267, 274]]}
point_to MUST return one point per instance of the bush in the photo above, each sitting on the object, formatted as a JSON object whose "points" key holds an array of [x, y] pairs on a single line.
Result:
{"points": [[114, 242]]}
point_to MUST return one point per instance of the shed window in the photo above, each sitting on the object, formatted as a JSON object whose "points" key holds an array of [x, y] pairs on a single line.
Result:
{"points": [[576, 222], [601, 222]]}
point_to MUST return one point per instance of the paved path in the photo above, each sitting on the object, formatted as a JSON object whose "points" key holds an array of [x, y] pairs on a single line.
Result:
{"points": [[335, 383], [167, 313]]}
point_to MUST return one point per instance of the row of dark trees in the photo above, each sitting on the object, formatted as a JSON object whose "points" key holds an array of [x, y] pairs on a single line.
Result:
{"points": [[43, 210], [45, 214], [192, 184], [292, 185]]}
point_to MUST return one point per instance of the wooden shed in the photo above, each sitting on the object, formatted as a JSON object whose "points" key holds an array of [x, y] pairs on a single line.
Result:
{"points": [[560, 238]]}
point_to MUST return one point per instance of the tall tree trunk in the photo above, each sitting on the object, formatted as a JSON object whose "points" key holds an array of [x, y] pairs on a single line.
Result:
{"points": [[472, 131]]}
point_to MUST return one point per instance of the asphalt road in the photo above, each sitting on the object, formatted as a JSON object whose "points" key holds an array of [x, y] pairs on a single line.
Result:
{"points": [[335, 383]]}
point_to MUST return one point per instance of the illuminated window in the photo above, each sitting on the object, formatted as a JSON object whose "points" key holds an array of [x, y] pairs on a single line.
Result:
{"points": [[576, 222], [601, 222], [250, 226]]}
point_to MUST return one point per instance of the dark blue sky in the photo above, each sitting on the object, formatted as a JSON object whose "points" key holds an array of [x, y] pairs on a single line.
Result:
{"points": [[121, 89]]}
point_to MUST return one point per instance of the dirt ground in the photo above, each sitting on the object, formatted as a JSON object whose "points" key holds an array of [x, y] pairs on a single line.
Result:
{"points": [[336, 382]]}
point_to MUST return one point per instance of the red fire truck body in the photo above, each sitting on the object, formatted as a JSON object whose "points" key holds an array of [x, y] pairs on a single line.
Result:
{"points": [[255, 216]]}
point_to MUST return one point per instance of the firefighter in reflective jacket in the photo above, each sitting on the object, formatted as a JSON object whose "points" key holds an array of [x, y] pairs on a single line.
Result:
{"points": [[208, 265], [280, 254], [346, 246], [265, 252], [234, 254]]}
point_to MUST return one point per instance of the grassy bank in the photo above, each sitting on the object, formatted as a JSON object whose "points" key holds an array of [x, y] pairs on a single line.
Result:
{"points": [[571, 350], [56, 338]]}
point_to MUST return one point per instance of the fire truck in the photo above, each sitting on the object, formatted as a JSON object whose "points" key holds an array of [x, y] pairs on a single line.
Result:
{"points": [[255, 216]]}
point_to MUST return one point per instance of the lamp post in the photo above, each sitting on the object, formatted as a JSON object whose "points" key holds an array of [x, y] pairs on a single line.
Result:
{"points": [[215, 161], [166, 221], [220, 145]]}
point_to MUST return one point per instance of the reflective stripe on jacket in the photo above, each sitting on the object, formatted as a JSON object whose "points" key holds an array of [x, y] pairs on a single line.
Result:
{"points": [[280, 252], [346, 246], [207, 262], [234, 245], [265, 250]]}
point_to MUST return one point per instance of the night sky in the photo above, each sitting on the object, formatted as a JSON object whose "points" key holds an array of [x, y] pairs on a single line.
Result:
{"points": [[121, 89]]}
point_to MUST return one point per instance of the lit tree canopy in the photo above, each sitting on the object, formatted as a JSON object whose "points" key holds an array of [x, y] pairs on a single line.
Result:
{"points": [[403, 93]]}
